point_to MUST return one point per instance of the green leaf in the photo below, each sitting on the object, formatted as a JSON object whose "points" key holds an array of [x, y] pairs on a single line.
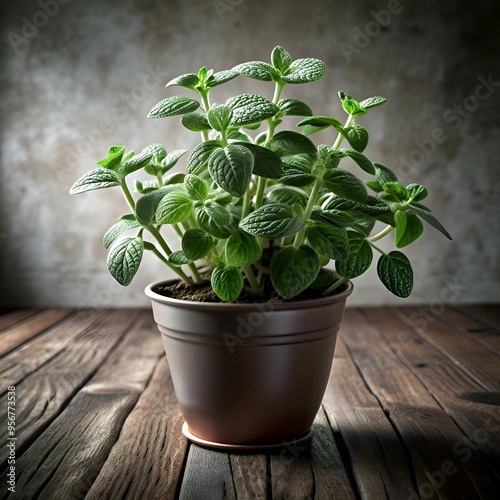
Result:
{"points": [[329, 240], [360, 159], [304, 71], [145, 208], [293, 107], [266, 163], [292, 143], [371, 102], [317, 123], [323, 281], [113, 159], [408, 228], [374, 185], [146, 186], [117, 229], [171, 160], [196, 122], [173, 106], [297, 172], [288, 196], [293, 270], [231, 168], [350, 105], [357, 137], [124, 260], [272, 221], [188, 80], [174, 207], [395, 272], [258, 70], [223, 198], [396, 189], [423, 214], [416, 192], [157, 151], [360, 257], [220, 77], [344, 184], [281, 59], [198, 159], [196, 244], [99, 178], [227, 282], [250, 108], [135, 163], [329, 156], [196, 188], [384, 174], [242, 249], [179, 259], [219, 117], [214, 219]]}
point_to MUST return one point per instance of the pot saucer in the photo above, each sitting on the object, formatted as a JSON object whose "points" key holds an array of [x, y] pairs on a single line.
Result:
{"points": [[245, 447]]}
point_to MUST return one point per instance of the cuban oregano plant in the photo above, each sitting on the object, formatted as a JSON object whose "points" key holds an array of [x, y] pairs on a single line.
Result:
{"points": [[260, 208]]}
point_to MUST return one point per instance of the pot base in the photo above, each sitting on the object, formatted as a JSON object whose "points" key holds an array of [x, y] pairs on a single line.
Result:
{"points": [[245, 447]]}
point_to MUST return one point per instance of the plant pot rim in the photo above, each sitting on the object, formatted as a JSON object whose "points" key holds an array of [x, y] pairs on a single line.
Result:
{"points": [[214, 306]]}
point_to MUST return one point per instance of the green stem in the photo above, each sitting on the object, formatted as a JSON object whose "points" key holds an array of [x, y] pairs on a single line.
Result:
{"points": [[382, 233], [261, 187], [128, 195], [196, 275], [277, 92], [206, 104], [246, 204], [299, 239], [340, 137], [177, 230], [376, 247], [159, 238], [330, 289], [252, 281], [160, 179], [176, 270]]}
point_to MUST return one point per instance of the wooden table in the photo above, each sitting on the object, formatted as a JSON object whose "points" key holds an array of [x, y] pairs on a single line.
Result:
{"points": [[412, 409]]}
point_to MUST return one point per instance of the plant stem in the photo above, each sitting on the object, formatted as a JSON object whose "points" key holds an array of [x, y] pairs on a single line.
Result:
{"points": [[261, 187], [128, 195], [340, 137], [277, 92], [159, 238], [196, 275], [382, 233], [206, 104], [330, 289], [252, 281], [246, 204], [299, 239], [176, 270], [177, 230], [376, 248]]}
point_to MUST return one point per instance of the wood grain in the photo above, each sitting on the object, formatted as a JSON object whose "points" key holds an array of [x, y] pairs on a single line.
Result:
{"points": [[65, 459], [46, 392], [13, 317], [148, 458], [489, 314], [17, 335]]}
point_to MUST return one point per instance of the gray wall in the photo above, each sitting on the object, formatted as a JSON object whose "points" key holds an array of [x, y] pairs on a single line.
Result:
{"points": [[88, 75]]}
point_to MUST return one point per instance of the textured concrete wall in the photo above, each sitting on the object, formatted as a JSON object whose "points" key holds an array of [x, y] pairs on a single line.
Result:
{"points": [[88, 75]]}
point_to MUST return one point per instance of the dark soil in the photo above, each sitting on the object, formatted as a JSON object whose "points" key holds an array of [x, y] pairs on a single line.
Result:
{"points": [[204, 293]]}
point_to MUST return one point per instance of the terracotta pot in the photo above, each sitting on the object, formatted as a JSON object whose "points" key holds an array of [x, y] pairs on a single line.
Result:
{"points": [[249, 374]]}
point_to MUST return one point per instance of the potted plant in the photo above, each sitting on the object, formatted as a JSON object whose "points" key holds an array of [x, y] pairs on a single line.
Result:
{"points": [[250, 324]]}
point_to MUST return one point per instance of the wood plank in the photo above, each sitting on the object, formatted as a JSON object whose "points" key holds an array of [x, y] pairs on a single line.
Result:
{"points": [[66, 457], [45, 393], [160, 444], [207, 476], [17, 335], [13, 317], [319, 472], [30, 357], [479, 363], [376, 456], [449, 386], [250, 475], [489, 314]]}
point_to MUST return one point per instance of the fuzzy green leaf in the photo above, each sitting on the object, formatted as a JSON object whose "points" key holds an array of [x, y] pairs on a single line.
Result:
{"points": [[281, 59], [219, 117], [179, 259], [266, 163], [395, 272], [174, 207], [293, 270], [329, 240], [173, 106], [250, 108], [196, 188], [196, 122], [288, 196], [171, 160], [227, 282], [99, 178], [416, 192], [304, 71], [427, 217], [329, 156], [157, 151], [357, 137], [231, 168], [360, 159], [117, 229], [317, 123], [292, 143], [272, 221], [371, 102], [124, 260], [198, 159], [359, 259], [344, 184], [258, 70], [135, 163], [188, 80], [408, 228], [220, 77], [114, 158], [384, 174], [196, 244], [214, 219], [145, 208], [293, 107], [242, 249]]}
